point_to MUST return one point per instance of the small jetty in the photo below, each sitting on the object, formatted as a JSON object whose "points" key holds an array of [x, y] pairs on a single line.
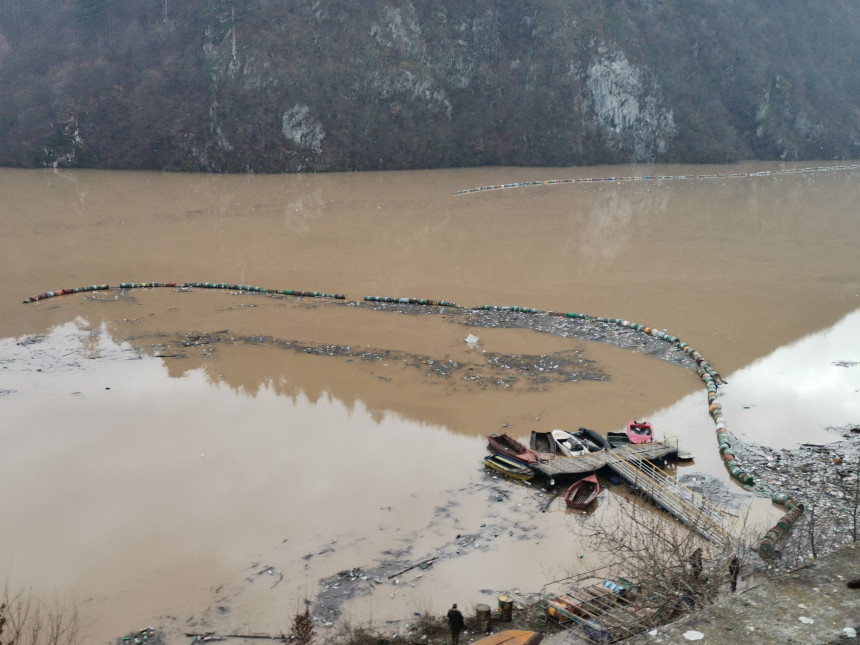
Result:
{"points": [[708, 520], [634, 463], [560, 466]]}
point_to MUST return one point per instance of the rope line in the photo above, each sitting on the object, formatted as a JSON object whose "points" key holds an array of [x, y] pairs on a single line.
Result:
{"points": [[720, 175]]}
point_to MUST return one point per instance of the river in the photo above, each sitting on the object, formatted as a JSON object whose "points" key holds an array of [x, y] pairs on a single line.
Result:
{"points": [[201, 459]]}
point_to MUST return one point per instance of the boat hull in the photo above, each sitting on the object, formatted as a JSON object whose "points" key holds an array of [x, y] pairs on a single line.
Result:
{"points": [[509, 466], [616, 439], [639, 432], [596, 438], [543, 443], [568, 445], [505, 444], [582, 493]]}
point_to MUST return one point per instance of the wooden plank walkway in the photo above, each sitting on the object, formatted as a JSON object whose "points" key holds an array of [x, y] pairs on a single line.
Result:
{"points": [[633, 463], [709, 521], [595, 460]]}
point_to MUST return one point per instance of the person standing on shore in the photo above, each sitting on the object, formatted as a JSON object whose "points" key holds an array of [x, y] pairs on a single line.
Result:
{"points": [[734, 570], [696, 563], [456, 623]]}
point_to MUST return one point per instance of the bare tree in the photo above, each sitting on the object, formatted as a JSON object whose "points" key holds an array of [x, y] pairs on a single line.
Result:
{"points": [[303, 628], [24, 620], [669, 560]]}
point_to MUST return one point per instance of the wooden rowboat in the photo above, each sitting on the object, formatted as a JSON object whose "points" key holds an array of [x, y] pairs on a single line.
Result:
{"points": [[582, 493], [543, 443], [511, 637], [639, 432], [509, 466], [506, 445]]}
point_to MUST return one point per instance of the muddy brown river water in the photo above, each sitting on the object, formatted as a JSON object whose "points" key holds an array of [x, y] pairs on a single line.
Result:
{"points": [[205, 460]]}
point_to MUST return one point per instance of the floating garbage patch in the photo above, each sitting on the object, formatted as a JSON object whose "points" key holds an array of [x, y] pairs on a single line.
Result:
{"points": [[710, 377]]}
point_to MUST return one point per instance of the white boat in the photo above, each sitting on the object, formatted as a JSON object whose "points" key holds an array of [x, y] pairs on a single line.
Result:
{"points": [[568, 445]]}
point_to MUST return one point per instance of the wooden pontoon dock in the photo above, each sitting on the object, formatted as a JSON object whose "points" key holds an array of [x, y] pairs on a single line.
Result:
{"points": [[633, 462], [561, 466]]}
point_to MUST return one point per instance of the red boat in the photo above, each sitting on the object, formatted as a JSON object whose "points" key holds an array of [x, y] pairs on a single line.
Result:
{"points": [[582, 493], [639, 432], [507, 445]]}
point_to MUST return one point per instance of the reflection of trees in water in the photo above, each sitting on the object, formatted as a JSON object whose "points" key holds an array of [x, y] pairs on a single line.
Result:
{"points": [[313, 379], [614, 219], [252, 364], [63, 348]]}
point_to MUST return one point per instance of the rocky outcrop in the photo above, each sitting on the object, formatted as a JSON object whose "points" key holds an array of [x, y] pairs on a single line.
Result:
{"points": [[302, 129], [628, 107], [236, 86]]}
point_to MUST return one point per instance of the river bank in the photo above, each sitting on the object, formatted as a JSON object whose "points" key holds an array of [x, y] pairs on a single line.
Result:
{"points": [[801, 595], [818, 554]]}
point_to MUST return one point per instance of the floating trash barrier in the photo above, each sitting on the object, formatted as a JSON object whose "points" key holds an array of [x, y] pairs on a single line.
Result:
{"points": [[145, 285], [522, 310], [62, 292], [188, 285], [254, 289], [412, 301], [584, 180], [767, 545], [710, 377]]}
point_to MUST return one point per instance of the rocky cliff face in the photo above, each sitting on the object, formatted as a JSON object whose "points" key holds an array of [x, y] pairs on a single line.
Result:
{"points": [[263, 86]]}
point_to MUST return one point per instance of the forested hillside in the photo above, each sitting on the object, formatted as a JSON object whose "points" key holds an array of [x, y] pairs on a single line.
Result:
{"points": [[312, 85]]}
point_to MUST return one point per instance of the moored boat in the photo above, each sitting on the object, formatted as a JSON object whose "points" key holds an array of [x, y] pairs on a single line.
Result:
{"points": [[588, 443], [582, 493], [596, 438], [639, 432], [543, 443], [506, 445], [616, 439], [568, 445], [509, 466]]}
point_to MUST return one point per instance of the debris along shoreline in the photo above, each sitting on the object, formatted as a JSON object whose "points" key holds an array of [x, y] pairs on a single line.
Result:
{"points": [[402, 567], [783, 469], [610, 330], [622, 333], [833, 470], [571, 325], [825, 478]]}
